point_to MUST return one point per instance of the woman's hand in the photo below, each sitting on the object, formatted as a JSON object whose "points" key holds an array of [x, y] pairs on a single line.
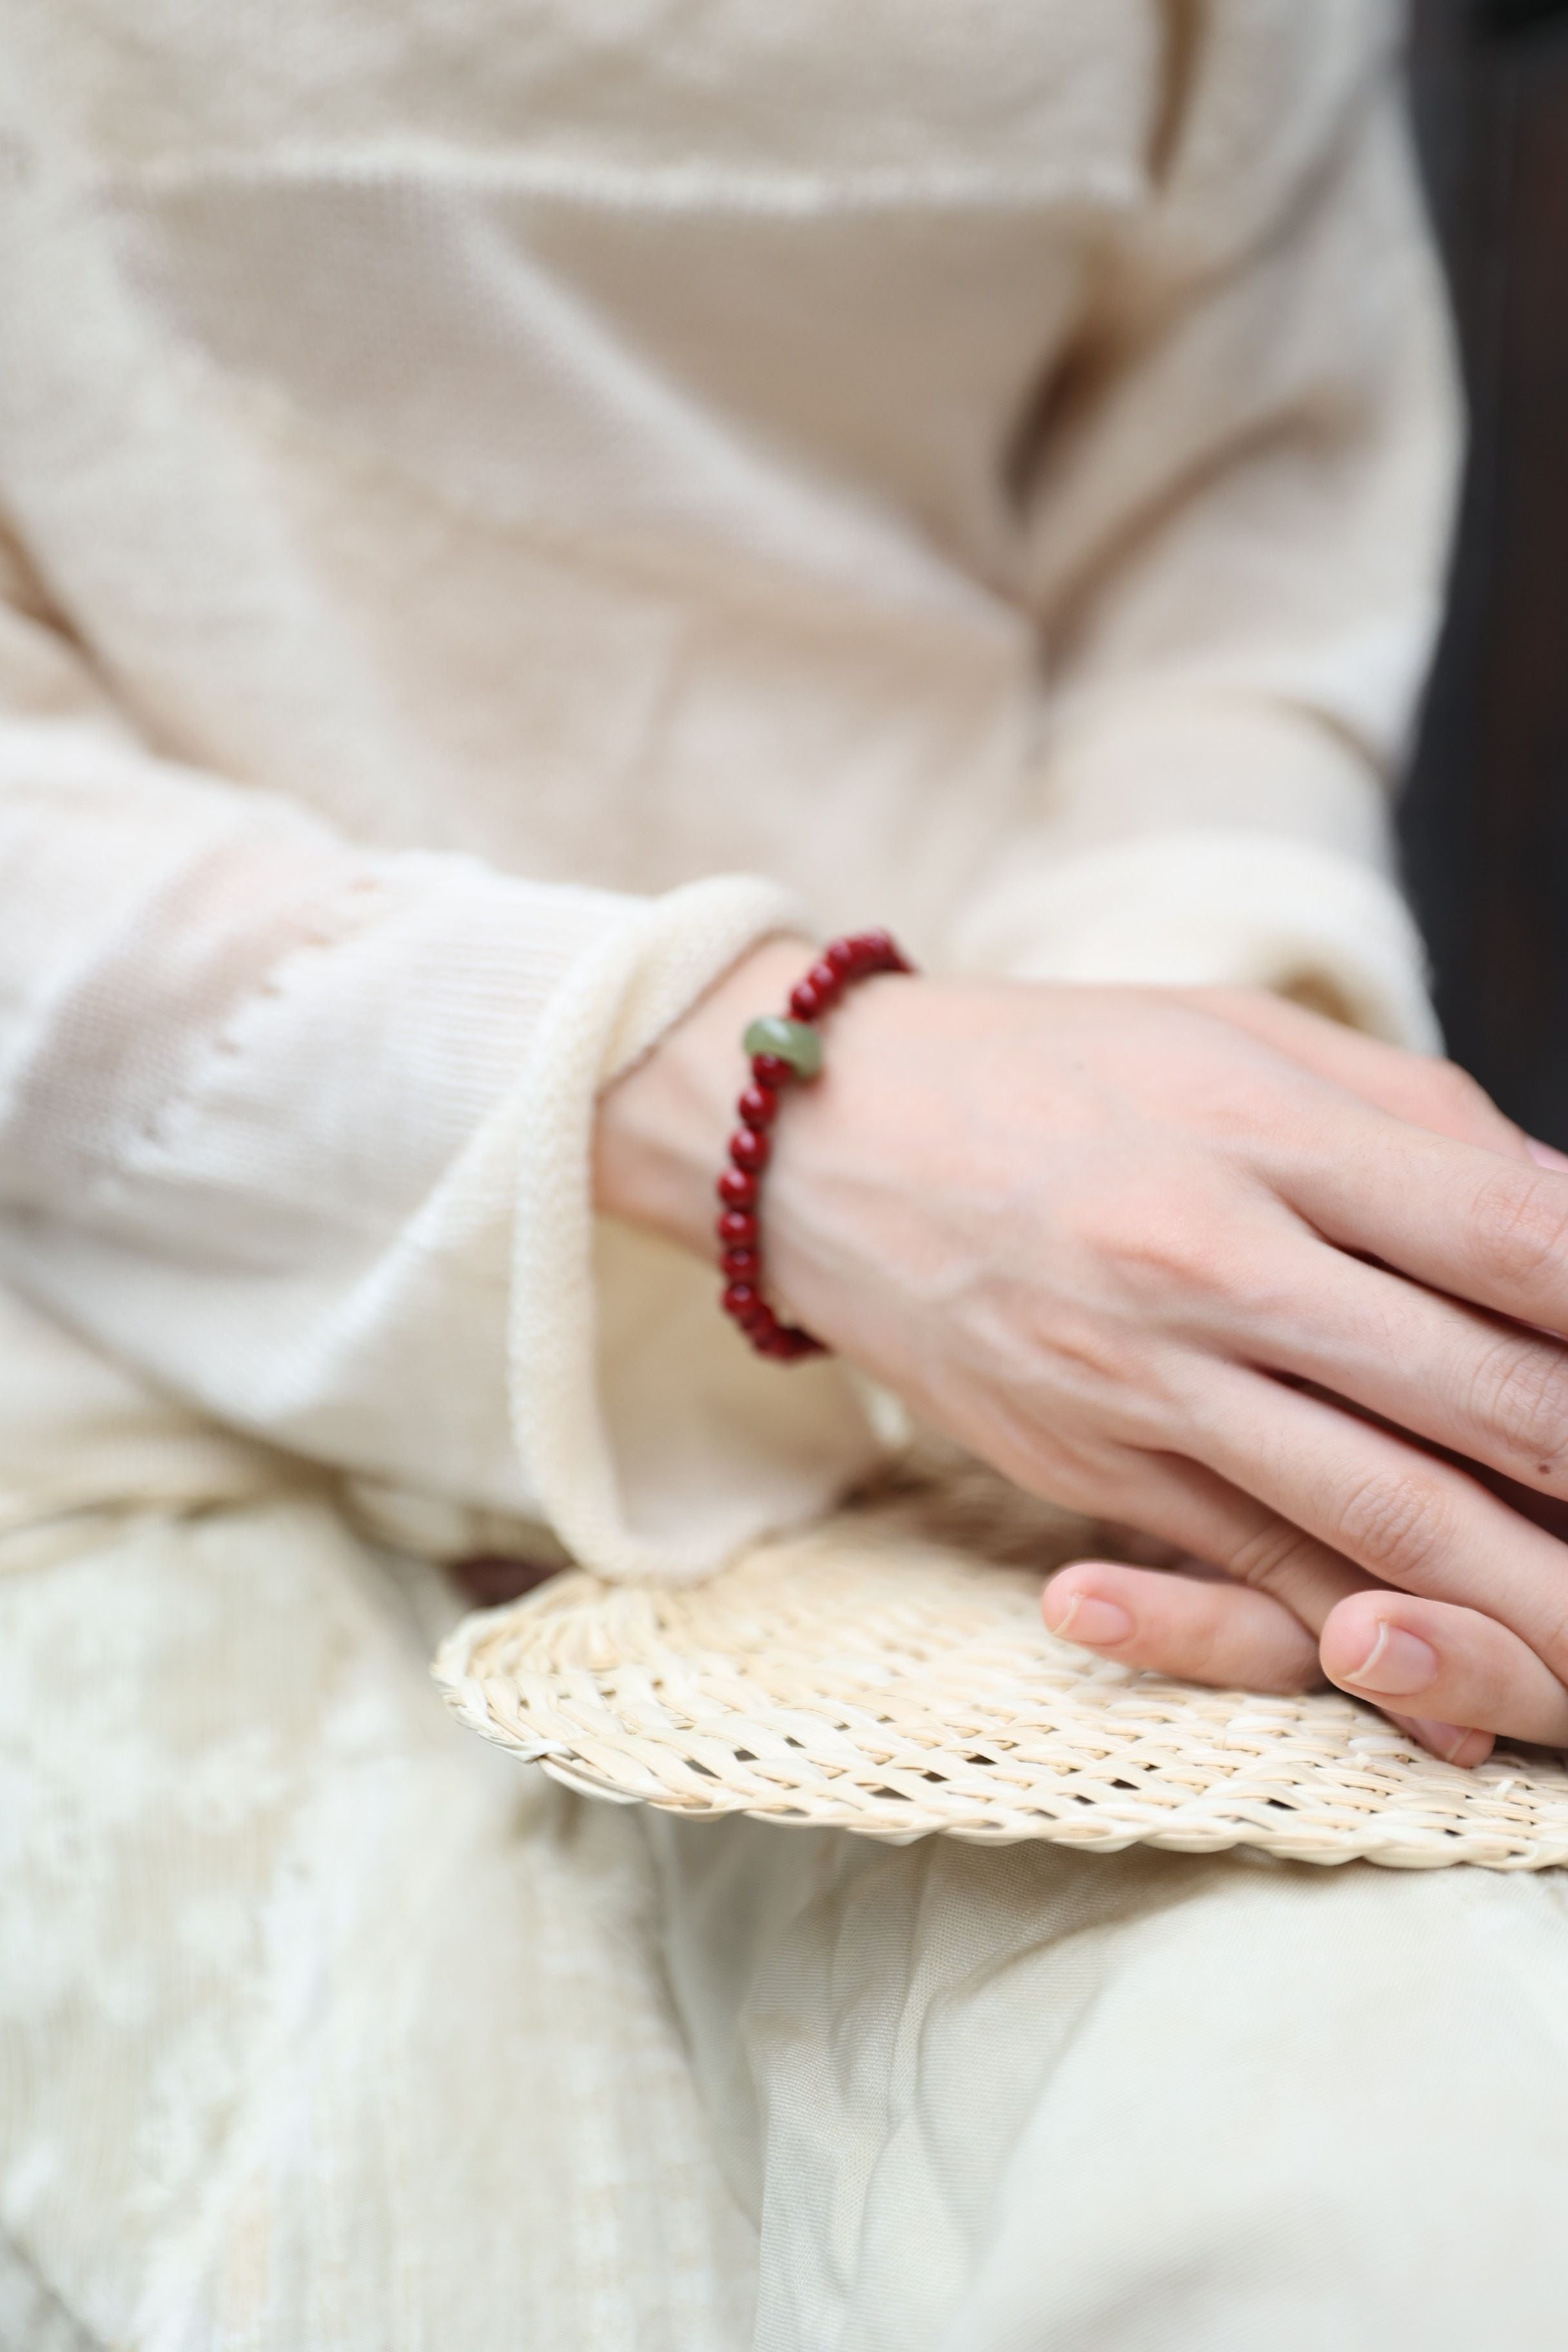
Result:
{"points": [[1184, 1620], [1141, 1250]]}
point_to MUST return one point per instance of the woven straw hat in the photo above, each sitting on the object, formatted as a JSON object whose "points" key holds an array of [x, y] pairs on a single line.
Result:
{"points": [[888, 1673]]}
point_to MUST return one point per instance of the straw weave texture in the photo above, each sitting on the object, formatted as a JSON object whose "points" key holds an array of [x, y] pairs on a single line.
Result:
{"points": [[867, 1677]]}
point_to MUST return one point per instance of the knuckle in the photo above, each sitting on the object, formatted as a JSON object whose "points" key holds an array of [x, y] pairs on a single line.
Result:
{"points": [[1149, 1240], [1549, 1642], [1460, 1092], [1521, 1391], [1181, 1249], [1267, 1559], [1522, 1223], [1548, 1635], [1395, 1521]]}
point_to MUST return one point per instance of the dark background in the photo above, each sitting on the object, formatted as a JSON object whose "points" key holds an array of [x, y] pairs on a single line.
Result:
{"points": [[1485, 816]]}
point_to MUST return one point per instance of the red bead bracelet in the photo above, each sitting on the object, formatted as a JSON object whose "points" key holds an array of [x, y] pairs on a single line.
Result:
{"points": [[784, 1049]]}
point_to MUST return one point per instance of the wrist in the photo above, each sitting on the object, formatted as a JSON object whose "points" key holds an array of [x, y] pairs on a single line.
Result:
{"points": [[660, 1137]]}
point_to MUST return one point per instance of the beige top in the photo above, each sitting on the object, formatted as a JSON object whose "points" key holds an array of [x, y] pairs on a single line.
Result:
{"points": [[483, 483]]}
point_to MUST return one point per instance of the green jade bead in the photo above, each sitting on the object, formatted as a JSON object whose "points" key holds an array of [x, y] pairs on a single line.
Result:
{"points": [[794, 1042]]}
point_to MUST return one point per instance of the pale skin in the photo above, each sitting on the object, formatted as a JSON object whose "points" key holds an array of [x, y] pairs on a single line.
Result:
{"points": [[1197, 1262]]}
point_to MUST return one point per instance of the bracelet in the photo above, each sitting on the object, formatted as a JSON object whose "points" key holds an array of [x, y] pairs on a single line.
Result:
{"points": [[782, 1049]]}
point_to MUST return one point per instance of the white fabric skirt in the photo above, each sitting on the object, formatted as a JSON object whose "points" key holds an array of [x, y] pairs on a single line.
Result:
{"points": [[325, 2029]]}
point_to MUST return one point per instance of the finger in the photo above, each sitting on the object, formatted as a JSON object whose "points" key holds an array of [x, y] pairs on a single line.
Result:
{"points": [[1486, 1389], [1487, 1228], [1399, 1512], [1422, 1088], [1269, 1559], [1251, 1545], [1397, 1650], [1168, 1623], [1447, 1741]]}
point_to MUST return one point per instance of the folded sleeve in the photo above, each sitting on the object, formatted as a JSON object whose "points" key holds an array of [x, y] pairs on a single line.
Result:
{"points": [[301, 1132], [1236, 527]]}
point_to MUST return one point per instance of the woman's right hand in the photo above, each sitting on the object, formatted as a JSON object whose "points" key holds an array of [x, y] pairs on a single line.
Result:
{"points": [[1152, 1258]]}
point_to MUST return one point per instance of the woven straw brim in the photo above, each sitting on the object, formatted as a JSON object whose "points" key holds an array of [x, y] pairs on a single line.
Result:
{"points": [[863, 1677]]}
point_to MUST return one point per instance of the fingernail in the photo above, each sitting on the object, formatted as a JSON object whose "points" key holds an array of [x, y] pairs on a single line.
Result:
{"points": [[1096, 1624], [1397, 1664], [1546, 1155]]}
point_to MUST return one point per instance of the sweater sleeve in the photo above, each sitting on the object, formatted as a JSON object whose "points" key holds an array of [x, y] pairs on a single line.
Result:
{"points": [[1235, 532], [301, 1132]]}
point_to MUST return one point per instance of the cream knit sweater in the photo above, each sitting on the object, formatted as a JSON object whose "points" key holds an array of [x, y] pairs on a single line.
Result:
{"points": [[506, 504]]}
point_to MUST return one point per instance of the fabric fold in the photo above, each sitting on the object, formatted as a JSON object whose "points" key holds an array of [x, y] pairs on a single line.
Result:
{"points": [[1223, 908]]}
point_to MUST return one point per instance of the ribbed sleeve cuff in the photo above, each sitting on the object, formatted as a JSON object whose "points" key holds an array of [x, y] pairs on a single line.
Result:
{"points": [[656, 1442]]}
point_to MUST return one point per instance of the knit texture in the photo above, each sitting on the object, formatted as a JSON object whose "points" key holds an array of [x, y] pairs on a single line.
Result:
{"points": [[504, 509]]}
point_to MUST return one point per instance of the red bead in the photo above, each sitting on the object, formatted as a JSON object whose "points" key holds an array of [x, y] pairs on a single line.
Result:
{"points": [[882, 953], [783, 1344], [856, 956], [749, 1147], [792, 1346]]}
